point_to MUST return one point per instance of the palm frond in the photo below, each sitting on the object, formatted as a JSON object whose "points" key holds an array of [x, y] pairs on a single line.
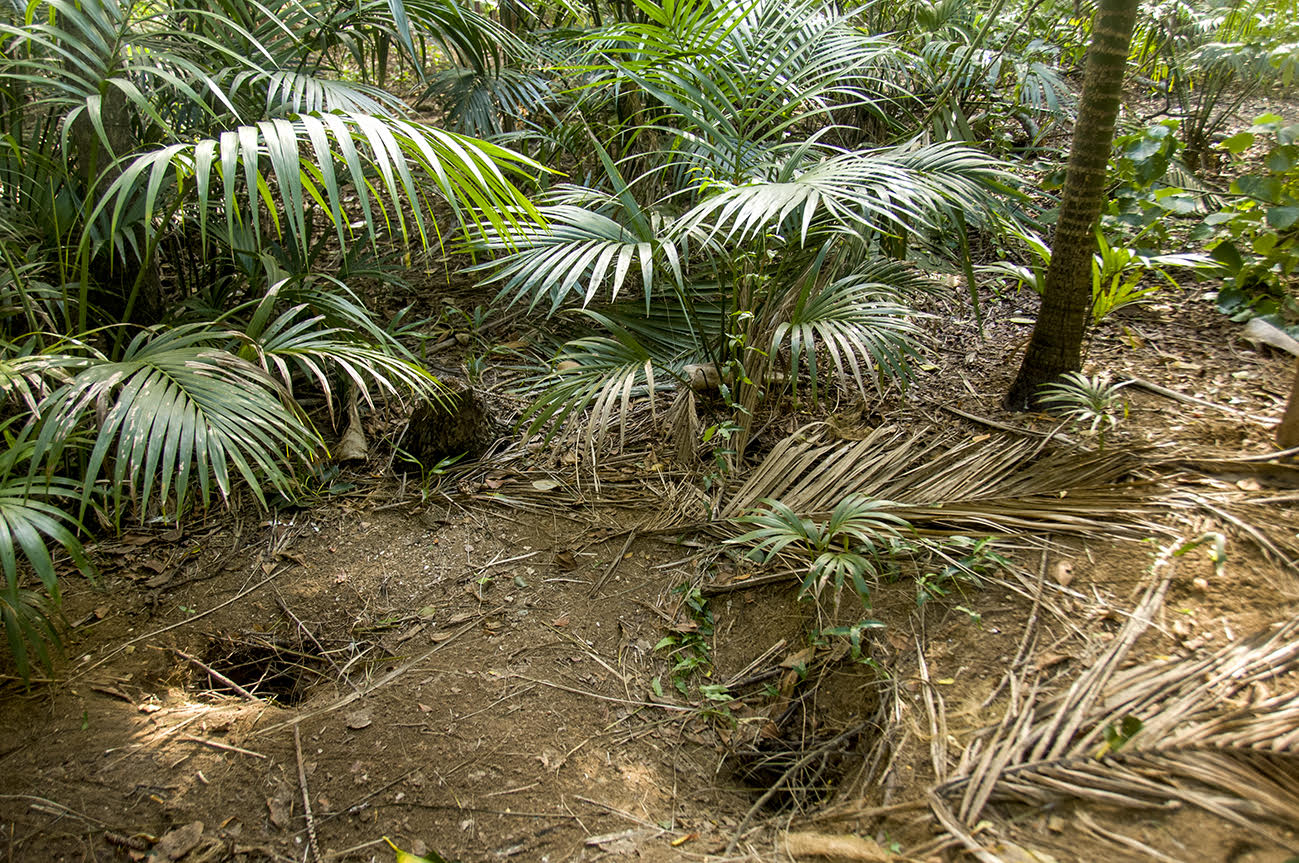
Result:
{"points": [[287, 93], [598, 372], [577, 251], [949, 484], [481, 103], [299, 341], [863, 191], [77, 53], [288, 164], [176, 410], [858, 322], [32, 521]]}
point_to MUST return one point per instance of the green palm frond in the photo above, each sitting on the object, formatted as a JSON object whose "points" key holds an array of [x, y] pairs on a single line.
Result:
{"points": [[578, 251], [838, 550], [737, 80], [776, 528], [299, 341], [865, 191], [176, 410], [598, 372], [286, 93], [77, 53], [31, 523], [28, 373], [480, 103], [857, 321], [289, 164], [467, 36], [674, 330]]}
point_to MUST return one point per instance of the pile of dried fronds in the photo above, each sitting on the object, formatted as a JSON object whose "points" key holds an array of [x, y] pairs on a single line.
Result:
{"points": [[953, 483], [1203, 730]]}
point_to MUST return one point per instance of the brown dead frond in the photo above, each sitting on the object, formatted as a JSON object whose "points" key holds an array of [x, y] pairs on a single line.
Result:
{"points": [[1193, 730], [948, 483]]}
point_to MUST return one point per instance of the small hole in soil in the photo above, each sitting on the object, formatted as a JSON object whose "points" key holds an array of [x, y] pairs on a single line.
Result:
{"points": [[807, 749], [806, 770], [261, 666]]}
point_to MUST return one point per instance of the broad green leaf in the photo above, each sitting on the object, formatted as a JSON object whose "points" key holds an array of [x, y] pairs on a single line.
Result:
{"points": [[1238, 143]]}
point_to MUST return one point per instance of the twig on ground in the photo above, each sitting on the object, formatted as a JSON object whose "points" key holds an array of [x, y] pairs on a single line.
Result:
{"points": [[382, 681], [191, 619], [302, 627], [781, 577], [613, 564], [514, 559], [612, 698], [616, 811], [1029, 639], [339, 855], [225, 747], [1176, 396], [935, 710], [214, 674], [1126, 841], [805, 759], [991, 423], [1267, 545], [306, 797]]}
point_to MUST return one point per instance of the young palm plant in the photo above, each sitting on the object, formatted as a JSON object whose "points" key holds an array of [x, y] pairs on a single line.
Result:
{"points": [[754, 244], [842, 550]]}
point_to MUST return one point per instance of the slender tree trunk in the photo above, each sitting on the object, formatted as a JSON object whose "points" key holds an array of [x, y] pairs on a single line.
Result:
{"points": [[1056, 346]]}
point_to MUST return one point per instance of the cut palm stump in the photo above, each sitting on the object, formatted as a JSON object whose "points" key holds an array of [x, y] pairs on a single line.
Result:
{"points": [[458, 423]]}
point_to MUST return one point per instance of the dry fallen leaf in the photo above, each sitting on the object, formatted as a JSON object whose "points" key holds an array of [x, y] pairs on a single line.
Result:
{"points": [[838, 847], [177, 843]]}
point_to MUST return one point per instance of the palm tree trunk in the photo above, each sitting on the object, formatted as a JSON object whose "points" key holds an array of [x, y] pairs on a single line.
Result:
{"points": [[1056, 346]]}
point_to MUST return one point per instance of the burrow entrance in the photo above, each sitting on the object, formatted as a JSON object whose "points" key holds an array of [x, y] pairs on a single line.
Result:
{"points": [[261, 665]]}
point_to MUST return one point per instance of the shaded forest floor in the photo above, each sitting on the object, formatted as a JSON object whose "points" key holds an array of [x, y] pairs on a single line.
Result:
{"points": [[471, 670]]}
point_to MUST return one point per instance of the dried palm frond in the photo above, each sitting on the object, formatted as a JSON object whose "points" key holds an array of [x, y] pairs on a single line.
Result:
{"points": [[1165, 731], [949, 483]]}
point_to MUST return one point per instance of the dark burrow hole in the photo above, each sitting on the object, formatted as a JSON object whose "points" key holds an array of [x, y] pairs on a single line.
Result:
{"points": [[261, 665], [804, 772], [807, 749]]}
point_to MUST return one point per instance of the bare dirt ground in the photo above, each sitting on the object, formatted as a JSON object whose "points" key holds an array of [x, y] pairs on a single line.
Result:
{"points": [[474, 674]]}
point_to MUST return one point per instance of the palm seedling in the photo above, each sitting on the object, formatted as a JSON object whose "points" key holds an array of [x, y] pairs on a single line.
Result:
{"points": [[1093, 403], [841, 550]]}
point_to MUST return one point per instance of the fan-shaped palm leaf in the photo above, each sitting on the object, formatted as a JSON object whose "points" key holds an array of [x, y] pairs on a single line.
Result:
{"points": [[857, 321], [578, 250], [479, 102], [174, 409], [76, 53], [30, 522], [298, 340], [28, 373], [602, 373], [289, 92], [737, 81], [861, 190], [288, 163]]}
